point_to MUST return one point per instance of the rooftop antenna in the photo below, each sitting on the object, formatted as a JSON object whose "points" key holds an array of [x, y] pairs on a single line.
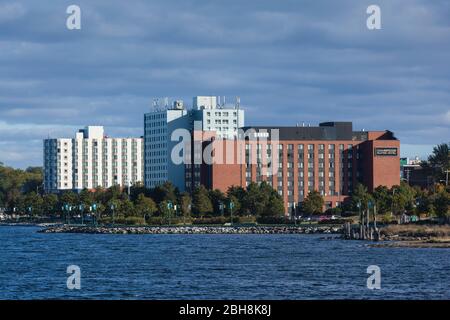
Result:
{"points": [[238, 102], [218, 104], [224, 101]]}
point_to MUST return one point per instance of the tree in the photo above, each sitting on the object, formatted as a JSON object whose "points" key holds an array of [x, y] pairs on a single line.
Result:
{"points": [[237, 195], [273, 202], [50, 205], [68, 197], [403, 198], [145, 206], [201, 203], [165, 210], [217, 198], [275, 205], [360, 196], [137, 189], [126, 208], [383, 199], [165, 192], [33, 202], [254, 201], [185, 204], [86, 198], [33, 180], [313, 203], [440, 158], [442, 205]]}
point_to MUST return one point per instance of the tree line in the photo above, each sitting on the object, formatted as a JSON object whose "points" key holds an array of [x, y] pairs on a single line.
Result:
{"points": [[21, 193]]}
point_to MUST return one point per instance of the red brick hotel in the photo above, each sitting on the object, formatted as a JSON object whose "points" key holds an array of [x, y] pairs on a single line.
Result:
{"points": [[330, 158]]}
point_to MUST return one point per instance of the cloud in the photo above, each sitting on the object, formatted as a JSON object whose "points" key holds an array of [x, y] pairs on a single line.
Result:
{"points": [[11, 11], [290, 62]]}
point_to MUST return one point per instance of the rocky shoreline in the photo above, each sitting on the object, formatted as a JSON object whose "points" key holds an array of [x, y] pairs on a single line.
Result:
{"points": [[195, 230]]}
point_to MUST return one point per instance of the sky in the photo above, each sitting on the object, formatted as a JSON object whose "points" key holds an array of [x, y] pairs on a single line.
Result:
{"points": [[289, 62]]}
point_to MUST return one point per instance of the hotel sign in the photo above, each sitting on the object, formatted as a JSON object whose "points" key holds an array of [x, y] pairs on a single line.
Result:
{"points": [[386, 152]]}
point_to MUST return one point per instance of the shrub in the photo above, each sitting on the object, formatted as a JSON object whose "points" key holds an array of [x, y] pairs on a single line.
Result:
{"points": [[272, 220]]}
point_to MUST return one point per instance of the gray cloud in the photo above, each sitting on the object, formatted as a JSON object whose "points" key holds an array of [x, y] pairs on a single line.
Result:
{"points": [[290, 61]]}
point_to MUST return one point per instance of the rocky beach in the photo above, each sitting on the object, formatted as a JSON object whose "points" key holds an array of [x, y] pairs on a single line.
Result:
{"points": [[195, 230]]}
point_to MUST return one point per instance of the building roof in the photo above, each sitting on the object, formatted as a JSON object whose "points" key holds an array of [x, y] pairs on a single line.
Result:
{"points": [[325, 131]]}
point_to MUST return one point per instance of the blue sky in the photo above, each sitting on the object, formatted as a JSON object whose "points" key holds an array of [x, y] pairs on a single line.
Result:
{"points": [[289, 61]]}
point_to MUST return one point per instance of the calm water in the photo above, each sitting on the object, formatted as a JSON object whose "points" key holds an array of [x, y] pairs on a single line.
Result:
{"points": [[33, 266]]}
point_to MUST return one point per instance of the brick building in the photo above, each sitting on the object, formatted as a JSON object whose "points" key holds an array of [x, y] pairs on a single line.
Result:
{"points": [[330, 158]]}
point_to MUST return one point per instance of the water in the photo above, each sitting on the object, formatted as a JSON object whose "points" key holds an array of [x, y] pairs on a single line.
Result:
{"points": [[33, 266]]}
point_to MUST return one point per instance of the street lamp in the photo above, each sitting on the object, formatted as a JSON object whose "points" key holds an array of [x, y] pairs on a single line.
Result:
{"points": [[113, 218], [231, 211], [294, 213], [221, 208], [81, 208], [169, 208]]}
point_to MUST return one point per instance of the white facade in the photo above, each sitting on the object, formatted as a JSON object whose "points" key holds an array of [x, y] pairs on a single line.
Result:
{"points": [[92, 160], [206, 115], [158, 128]]}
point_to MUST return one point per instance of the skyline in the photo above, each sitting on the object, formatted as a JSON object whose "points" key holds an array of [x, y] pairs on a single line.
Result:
{"points": [[290, 62]]}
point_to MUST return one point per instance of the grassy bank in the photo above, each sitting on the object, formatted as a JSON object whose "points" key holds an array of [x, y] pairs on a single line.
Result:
{"points": [[417, 231]]}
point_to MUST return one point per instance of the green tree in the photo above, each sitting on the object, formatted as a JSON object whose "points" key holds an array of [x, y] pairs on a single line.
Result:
{"points": [[33, 201], [275, 205], [313, 203], [165, 192], [126, 208], [86, 198], [145, 206], [217, 198], [50, 205], [383, 199], [255, 200], [273, 202], [439, 160], [403, 198], [201, 202], [165, 209], [237, 195], [442, 205], [185, 204], [360, 196], [68, 197]]}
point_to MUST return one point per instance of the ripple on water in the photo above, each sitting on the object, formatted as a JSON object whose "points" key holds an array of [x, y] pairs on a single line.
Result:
{"points": [[33, 266]]}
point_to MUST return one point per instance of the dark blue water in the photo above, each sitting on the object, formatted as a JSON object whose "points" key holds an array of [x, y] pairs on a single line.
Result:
{"points": [[33, 266]]}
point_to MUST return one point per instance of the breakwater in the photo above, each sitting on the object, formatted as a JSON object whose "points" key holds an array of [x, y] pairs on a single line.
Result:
{"points": [[195, 230]]}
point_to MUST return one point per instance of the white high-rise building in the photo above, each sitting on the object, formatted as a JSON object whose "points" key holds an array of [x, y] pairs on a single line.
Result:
{"points": [[158, 128], [91, 160], [207, 114], [213, 116]]}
